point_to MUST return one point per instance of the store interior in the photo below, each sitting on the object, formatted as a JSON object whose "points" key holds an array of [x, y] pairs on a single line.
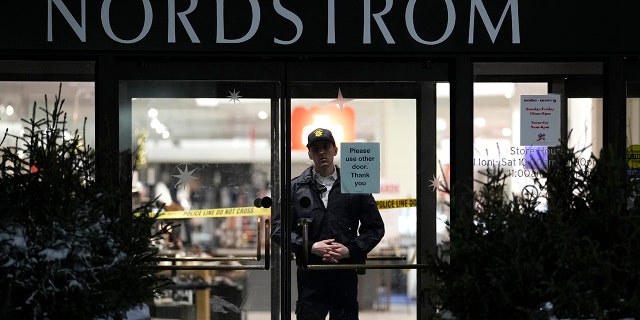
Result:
{"points": [[224, 144]]}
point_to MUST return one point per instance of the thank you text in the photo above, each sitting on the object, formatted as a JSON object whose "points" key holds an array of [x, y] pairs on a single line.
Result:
{"points": [[360, 163]]}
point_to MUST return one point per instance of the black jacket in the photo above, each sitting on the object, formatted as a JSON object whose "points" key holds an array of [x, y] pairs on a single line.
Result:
{"points": [[350, 219]]}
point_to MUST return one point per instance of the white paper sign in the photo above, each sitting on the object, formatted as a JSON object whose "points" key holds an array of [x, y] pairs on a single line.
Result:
{"points": [[540, 120], [360, 167]]}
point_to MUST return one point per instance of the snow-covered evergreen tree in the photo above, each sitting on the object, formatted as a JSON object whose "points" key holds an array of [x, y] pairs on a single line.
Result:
{"points": [[70, 245]]}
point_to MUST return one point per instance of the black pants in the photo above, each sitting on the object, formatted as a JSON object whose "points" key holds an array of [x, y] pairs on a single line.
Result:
{"points": [[322, 292]]}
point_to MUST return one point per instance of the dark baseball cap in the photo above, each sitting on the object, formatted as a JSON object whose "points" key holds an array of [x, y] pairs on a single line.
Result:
{"points": [[320, 134]]}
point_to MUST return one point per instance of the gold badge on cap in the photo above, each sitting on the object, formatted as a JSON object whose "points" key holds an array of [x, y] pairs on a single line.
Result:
{"points": [[318, 132]]}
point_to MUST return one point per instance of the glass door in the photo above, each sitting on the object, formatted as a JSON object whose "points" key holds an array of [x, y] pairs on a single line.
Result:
{"points": [[358, 118], [217, 146], [388, 109], [204, 155]]}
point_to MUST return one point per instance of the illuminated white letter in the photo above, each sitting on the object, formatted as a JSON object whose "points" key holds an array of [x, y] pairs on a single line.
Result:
{"points": [[106, 23], [366, 36], [255, 22], [493, 32], [285, 13], [80, 30], [171, 37], [451, 22]]}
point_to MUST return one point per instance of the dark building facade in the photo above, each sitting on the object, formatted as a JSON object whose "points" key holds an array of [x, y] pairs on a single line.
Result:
{"points": [[421, 78]]}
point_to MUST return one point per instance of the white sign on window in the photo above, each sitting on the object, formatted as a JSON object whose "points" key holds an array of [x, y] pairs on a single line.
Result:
{"points": [[540, 120]]}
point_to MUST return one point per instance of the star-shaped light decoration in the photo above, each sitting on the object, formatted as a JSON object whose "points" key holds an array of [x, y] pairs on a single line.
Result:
{"points": [[234, 96], [185, 176], [340, 101], [435, 183]]}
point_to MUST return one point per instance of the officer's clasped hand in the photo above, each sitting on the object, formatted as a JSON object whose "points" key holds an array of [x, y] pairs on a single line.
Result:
{"points": [[330, 251]]}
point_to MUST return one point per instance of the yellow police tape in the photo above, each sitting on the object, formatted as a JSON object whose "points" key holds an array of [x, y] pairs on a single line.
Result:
{"points": [[396, 203], [216, 213], [254, 211]]}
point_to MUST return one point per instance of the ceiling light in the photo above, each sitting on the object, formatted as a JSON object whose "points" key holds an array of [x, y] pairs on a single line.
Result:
{"points": [[441, 124], [263, 115], [207, 102], [160, 128], [480, 122], [155, 123], [505, 89], [152, 113]]}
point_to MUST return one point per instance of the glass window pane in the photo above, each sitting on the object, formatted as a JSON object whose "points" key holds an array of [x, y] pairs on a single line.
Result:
{"points": [[584, 122], [633, 125], [443, 157], [633, 133], [17, 99], [497, 131], [497, 140], [207, 157]]}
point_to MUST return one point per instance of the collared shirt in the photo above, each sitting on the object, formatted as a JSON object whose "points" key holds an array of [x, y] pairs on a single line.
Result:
{"points": [[327, 182]]}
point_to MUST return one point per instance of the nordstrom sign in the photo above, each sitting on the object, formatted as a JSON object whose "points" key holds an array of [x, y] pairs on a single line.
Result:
{"points": [[282, 23]]}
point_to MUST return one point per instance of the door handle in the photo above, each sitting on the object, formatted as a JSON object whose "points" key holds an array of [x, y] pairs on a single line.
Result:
{"points": [[263, 234]]}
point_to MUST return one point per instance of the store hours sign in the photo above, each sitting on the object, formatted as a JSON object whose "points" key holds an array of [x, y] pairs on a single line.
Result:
{"points": [[540, 120], [360, 167]]}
